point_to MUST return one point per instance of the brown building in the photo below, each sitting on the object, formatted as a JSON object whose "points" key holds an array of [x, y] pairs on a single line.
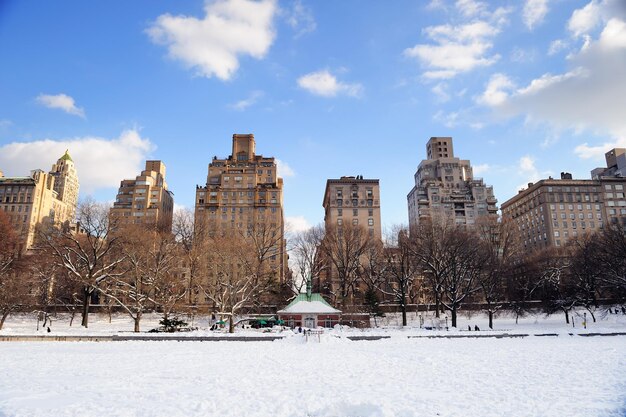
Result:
{"points": [[551, 211], [243, 193], [354, 200], [351, 207], [42, 196], [445, 186], [146, 199]]}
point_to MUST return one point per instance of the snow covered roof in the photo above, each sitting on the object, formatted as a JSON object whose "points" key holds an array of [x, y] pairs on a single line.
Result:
{"points": [[304, 304]]}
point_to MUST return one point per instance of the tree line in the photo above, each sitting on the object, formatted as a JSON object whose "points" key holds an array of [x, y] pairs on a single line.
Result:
{"points": [[139, 269], [446, 266]]}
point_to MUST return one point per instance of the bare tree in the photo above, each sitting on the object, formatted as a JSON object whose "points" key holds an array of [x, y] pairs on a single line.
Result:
{"points": [[305, 256], [429, 249], [13, 282], [233, 282], [585, 270], [611, 253], [499, 244], [343, 246], [149, 257], [464, 261], [192, 238], [89, 258], [401, 268]]}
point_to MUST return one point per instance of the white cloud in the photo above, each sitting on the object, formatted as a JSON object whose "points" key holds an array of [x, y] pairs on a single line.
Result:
{"points": [[295, 224], [470, 8], [522, 55], [534, 12], [589, 97], [213, 45], [284, 170], [252, 99], [497, 90], [456, 49], [480, 169], [528, 171], [557, 46], [300, 18], [62, 102], [436, 5], [585, 19], [441, 92], [585, 151], [179, 207], [449, 120], [323, 83], [100, 162]]}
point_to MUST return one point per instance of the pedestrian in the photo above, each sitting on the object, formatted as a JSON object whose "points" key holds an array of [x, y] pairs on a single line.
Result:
{"points": [[469, 328], [476, 328], [299, 329], [48, 329]]}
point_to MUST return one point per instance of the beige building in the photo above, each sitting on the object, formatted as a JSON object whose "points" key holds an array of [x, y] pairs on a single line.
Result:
{"points": [[243, 193], [353, 200], [42, 196], [348, 202], [445, 185], [146, 199], [551, 211]]}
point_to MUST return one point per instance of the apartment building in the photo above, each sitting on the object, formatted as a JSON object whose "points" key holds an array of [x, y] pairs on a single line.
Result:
{"points": [[353, 200], [146, 199], [552, 211], [244, 195], [42, 196], [445, 186]]}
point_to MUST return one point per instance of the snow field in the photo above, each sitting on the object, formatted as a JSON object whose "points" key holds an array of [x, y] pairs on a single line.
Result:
{"points": [[535, 376]]}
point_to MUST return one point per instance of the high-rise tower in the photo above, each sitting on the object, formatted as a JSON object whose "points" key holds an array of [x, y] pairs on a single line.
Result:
{"points": [[445, 186], [244, 195]]}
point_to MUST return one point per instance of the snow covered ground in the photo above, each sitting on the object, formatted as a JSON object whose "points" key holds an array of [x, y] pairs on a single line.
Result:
{"points": [[532, 376]]}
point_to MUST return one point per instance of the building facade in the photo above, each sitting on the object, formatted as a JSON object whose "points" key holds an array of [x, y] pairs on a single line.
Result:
{"points": [[244, 195], [445, 186], [551, 211], [146, 199], [353, 200], [42, 196]]}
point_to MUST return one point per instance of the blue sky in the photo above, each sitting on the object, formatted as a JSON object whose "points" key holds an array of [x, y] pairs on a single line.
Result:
{"points": [[527, 89]]}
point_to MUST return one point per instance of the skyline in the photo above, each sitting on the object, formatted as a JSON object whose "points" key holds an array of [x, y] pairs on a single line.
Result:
{"points": [[526, 90]]}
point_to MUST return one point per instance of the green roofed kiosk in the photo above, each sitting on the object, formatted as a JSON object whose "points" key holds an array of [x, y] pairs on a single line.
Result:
{"points": [[309, 310]]}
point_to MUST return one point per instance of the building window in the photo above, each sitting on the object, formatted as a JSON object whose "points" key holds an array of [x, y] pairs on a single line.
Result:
{"points": [[355, 222], [339, 212], [339, 222], [370, 222], [355, 202], [355, 212]]}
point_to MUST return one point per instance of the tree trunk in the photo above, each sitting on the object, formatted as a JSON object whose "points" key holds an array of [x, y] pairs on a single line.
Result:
{"points": [[403, 309], [86, 302], [454, 308], [231, 327], [566, 316], [436, 304], [137, 320], [5, 314], [491, 319]]}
